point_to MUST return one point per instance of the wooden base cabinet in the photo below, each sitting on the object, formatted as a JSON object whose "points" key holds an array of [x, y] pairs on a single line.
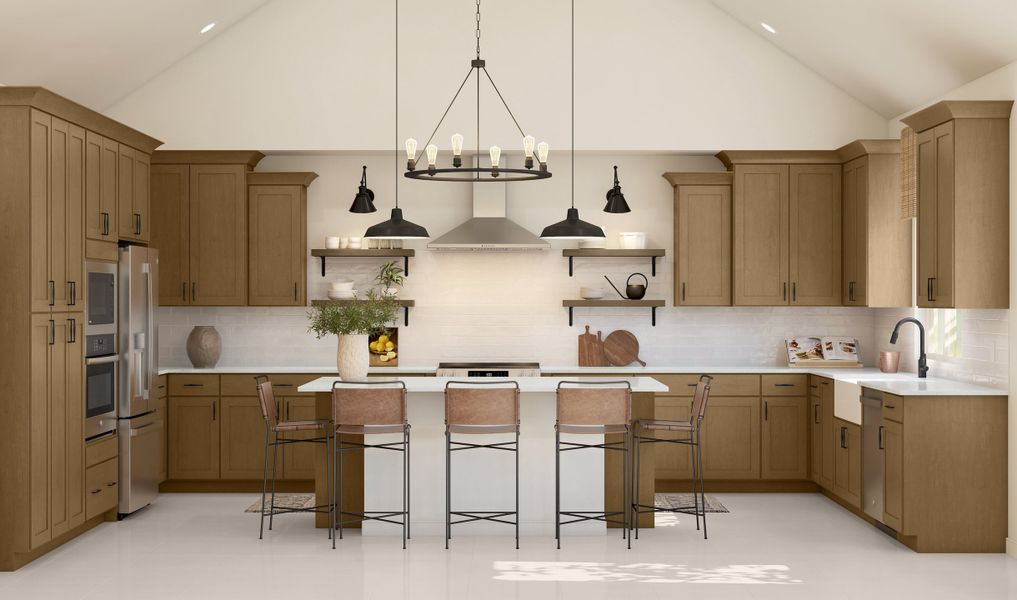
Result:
{"points": [[821, 429], [731, 438], [784, 438], [847, 482], [193, 437]]}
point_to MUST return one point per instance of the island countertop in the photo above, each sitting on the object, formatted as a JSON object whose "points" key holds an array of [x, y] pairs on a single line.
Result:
{"points": [[526, 384]]}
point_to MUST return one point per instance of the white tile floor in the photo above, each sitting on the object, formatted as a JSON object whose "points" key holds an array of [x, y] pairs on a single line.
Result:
{"points": [[786, 546]]}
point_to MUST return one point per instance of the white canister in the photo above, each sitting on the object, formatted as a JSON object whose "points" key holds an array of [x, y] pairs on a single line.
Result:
{"points": [[332, 242], [344, 242], [397, 244], [632, 240], [355, 243], [384, 244]]}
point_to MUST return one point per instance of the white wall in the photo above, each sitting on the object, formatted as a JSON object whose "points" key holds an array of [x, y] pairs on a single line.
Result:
{"points": [[650, 75], [999, 85]]}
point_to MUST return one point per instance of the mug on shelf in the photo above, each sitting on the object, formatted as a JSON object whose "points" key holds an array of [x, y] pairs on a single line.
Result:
{"points": [[344, 242], [332, 242]]}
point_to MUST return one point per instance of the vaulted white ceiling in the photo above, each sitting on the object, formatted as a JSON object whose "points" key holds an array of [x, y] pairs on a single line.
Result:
{"points": [[892, 55], [98, 51]]}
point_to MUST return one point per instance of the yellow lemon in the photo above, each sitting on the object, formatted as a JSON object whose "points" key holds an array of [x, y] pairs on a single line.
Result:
{"points": [[389, 345], [384, 358], [390, 354], [382, 339]]}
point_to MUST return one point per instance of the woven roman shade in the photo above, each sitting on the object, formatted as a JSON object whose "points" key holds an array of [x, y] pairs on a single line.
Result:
{"points": [[908, 174]]}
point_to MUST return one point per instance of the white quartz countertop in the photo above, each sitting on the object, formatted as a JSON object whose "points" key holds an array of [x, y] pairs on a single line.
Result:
{"points": [[526, 384], [903, 384]]}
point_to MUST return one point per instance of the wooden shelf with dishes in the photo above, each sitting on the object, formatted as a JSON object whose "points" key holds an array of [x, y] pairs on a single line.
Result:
{"points": [[405, 304], [653, 305], [403, 253], [651, 253]]}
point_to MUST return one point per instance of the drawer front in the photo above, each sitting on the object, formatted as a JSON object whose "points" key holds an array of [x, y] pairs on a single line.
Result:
{"points": [[722, 385], [784, 385], [194, 385], [893, 408], [101, 451], [160, 386], [818, 385], [101, 492], [283, 384]]}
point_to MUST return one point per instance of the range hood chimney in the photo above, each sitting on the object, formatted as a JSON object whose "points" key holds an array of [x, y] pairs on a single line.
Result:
{"points": [[489, 229]]}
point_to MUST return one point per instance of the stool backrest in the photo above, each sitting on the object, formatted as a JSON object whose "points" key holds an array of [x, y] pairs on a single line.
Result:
{"points": [[700, 400], [267, 398], [369, 403], [482, 403], [594, 403]]}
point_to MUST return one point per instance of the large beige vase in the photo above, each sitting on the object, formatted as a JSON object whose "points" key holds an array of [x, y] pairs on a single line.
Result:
{"points": [[353, 357], [204, 346]]}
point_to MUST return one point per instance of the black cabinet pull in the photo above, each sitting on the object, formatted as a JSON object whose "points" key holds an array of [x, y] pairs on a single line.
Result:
{"points": [[72, 333], [783, 385], [928, 289], [282, 384], [784, 293], [794, 291], [213, 410], [890, 406], [137, 224], [52, 292], [683, 291], [52, 332], [843, 437], [96, 491], [882, 440], [194, 291], [194, 385], [105, 223], [183, 291], [72, 293], [766, 411], [294, 291], [851, 291], [815, 411]]}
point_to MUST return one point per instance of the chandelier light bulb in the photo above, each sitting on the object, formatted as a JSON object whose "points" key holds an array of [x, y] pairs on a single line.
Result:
{"points": [[411, 149], [457, 144], [432, 154], [528, 143], [495, 155], [542, 150]]}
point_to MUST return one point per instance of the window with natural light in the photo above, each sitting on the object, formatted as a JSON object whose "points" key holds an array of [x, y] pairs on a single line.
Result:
{"points": [[942, 332]]}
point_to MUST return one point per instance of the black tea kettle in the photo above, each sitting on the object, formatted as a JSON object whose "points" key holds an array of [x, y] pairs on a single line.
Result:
{"points": [[633, 291]]}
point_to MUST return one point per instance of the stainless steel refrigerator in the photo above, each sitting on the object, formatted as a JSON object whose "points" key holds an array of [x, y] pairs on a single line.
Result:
{"points": [[138, 421]]}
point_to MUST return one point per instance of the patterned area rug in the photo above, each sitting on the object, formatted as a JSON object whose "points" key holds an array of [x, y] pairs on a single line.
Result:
{"points": [[686, 501], [283, 501]]}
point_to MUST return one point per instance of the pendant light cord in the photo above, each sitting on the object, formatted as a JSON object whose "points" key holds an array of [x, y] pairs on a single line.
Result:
{"points": [[397, 103], [573, 103]]}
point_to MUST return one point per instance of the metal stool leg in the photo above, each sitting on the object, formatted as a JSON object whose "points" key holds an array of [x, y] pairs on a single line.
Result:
{"points": [[627, 493], [275, 459], [404, 487], [557, 487], [339, 497], [517, 488], [448, 486], [264, 487], [702, 485], [638, 449], [693, 459], [409, 480]]}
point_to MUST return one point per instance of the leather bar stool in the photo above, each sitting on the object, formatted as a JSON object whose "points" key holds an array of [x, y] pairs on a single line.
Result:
{"points": [[480, 408], [273, 428], [593, 408], [690, 435], [368, 408]]}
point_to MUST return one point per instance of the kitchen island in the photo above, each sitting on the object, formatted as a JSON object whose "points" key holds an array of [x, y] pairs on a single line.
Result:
{"points": [[591, 479]]}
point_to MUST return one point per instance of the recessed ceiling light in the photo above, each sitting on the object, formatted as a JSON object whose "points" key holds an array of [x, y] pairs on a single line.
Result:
{"points": [[766, 26], [209, 27]]}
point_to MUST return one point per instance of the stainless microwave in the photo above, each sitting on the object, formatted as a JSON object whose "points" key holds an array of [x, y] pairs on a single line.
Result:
{"points": [[101, 298]]}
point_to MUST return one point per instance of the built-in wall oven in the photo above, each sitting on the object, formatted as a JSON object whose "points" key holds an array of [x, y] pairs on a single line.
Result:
{"points": [[101, 356]]}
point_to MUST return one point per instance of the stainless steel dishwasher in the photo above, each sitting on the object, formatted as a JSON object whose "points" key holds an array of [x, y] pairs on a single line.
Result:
{"points": [[872, 453]]}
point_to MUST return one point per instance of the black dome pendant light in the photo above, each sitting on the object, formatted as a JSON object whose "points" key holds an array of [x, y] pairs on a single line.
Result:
{"points": [[364, 200], [572, 228], [396, 228], [615, 199]]}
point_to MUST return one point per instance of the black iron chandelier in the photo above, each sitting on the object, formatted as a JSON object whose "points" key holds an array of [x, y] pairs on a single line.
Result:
{"points": [[496, 172]]}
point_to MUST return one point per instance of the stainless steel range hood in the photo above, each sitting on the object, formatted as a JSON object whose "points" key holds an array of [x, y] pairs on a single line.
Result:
{"points": [[489, 229]]}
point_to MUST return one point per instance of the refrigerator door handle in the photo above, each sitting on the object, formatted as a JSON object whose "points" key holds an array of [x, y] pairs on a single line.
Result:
{"points": [[146, 268], [154, 425]]}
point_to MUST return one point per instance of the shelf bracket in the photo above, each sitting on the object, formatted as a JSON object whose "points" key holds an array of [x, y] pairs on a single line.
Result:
{"points": [[570, 266], [406, 267], [653, 316], [653, 266], [570, 316], [322, 265], [406, 316]]}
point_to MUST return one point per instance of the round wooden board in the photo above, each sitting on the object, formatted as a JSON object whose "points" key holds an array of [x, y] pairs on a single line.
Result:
{"points": [[622, 348]]}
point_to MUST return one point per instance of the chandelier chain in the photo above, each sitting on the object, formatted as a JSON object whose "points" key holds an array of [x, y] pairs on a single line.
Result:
{"points": [[478, 28]]}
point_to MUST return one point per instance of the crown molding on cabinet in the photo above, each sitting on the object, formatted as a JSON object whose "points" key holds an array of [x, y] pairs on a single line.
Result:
{"points": [[303, 178], [781, 157], [859, 148], [251, 158], [68, 110], [704, 178], [947, 110]]}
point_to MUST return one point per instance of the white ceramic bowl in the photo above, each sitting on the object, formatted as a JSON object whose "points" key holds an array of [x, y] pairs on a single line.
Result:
{"points": [[342, 286], [342, 295], [332, 242], [591, 293], [632, 240]]}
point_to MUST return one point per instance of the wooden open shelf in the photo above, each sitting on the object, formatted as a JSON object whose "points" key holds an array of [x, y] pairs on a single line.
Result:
{"points": [[404, 253], [406, 304], [653, 305], [651, 253]]}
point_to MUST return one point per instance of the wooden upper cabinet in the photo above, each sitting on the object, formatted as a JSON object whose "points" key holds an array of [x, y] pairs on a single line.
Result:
{"points": [[963, 152], [702, 234], [74, 246], [218, 235], [277, 238], [760, 225], [876, 240], [142, 168], [133, 194], [40, 134], [814, 235], [109, 185], [170, 209]]}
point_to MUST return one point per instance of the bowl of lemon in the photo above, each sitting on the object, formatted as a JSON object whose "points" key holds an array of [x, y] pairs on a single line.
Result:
{"points": [[384, 350]]}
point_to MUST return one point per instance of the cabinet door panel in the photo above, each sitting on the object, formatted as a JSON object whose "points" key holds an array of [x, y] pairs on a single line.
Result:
{"points": [[731, 438], [74, 286], [848, 473], [58, 438], [299, 458], [193, 438], [943, 285], [218, 239], [59, 135], [170, 213], [38, 433], [671, 460], [893, 476], [242, 439], [141, 195], [276, 245], [39, 182], [74, 382], [815, 232], [829, 436], [94, 219], [855, 195], [784, 438], [760, 217], [703, 244], [128, 223], [110, 182], [816, 440]]}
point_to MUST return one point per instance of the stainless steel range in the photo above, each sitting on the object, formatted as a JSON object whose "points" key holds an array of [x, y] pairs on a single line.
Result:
{"points": [[488, 369]]}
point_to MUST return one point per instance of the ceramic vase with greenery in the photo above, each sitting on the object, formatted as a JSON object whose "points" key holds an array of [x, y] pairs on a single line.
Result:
{"points": [[390, 277], [353, 321]]}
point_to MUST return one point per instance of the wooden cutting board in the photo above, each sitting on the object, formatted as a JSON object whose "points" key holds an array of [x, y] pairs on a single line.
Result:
{"points": [[622, 348], [591, 350]]}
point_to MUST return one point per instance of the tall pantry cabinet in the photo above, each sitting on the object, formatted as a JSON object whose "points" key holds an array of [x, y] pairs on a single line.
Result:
{"points": [[44, 181]]}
